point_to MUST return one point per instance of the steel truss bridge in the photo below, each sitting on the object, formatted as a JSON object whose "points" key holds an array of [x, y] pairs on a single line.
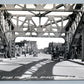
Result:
{"points": [[42, 20]]}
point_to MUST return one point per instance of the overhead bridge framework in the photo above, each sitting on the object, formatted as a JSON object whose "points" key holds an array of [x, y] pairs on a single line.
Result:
{"points": [[40, 20]]}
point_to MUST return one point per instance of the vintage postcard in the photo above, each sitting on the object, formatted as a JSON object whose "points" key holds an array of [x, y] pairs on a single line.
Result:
{"points": [[41, 42]]}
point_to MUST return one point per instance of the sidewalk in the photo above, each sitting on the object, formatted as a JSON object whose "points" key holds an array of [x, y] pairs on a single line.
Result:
{"points": [[78, 61], [67, 70], [40, 56], [13, 58]]}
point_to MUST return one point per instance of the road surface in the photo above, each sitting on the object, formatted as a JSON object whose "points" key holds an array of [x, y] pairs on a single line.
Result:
{"points": [[39, 68]]}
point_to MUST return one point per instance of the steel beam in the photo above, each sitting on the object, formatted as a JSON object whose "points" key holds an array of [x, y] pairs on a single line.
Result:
{"points": [[49, 10]]}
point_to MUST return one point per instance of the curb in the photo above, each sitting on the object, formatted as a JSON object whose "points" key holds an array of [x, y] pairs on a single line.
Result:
{"points": [[76, 62]]}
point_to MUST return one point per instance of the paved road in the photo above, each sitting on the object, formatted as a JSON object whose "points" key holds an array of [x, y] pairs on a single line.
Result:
{"points": [[18, 72], [39, 68], [45, 72], [26, 68]]}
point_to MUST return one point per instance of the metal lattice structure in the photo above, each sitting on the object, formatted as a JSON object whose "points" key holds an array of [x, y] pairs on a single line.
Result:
{"points": [[40, 20], [27, 27]]}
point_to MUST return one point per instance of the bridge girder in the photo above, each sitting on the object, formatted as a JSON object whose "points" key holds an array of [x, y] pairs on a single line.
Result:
{"points": [[33, 28], [45, 30], [13, 25]]}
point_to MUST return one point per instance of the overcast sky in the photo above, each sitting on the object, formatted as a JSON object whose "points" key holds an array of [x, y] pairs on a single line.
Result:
{"points": [[41, 42]]}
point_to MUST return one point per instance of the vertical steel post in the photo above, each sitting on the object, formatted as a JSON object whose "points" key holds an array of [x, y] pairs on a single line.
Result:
{"points": [[83, 44]]}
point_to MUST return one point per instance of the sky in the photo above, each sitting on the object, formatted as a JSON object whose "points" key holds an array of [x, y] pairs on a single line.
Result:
{"points": [[41, 42]]}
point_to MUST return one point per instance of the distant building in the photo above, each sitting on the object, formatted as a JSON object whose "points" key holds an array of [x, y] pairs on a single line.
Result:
{"points": [[26, 46], [57, 47]]}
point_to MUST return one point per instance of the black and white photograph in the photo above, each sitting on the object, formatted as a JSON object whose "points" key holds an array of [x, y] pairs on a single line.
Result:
{"points": [[41, 42]]}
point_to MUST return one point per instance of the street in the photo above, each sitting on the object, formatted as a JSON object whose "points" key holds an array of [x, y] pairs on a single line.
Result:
{"points": [[39, 68]]}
